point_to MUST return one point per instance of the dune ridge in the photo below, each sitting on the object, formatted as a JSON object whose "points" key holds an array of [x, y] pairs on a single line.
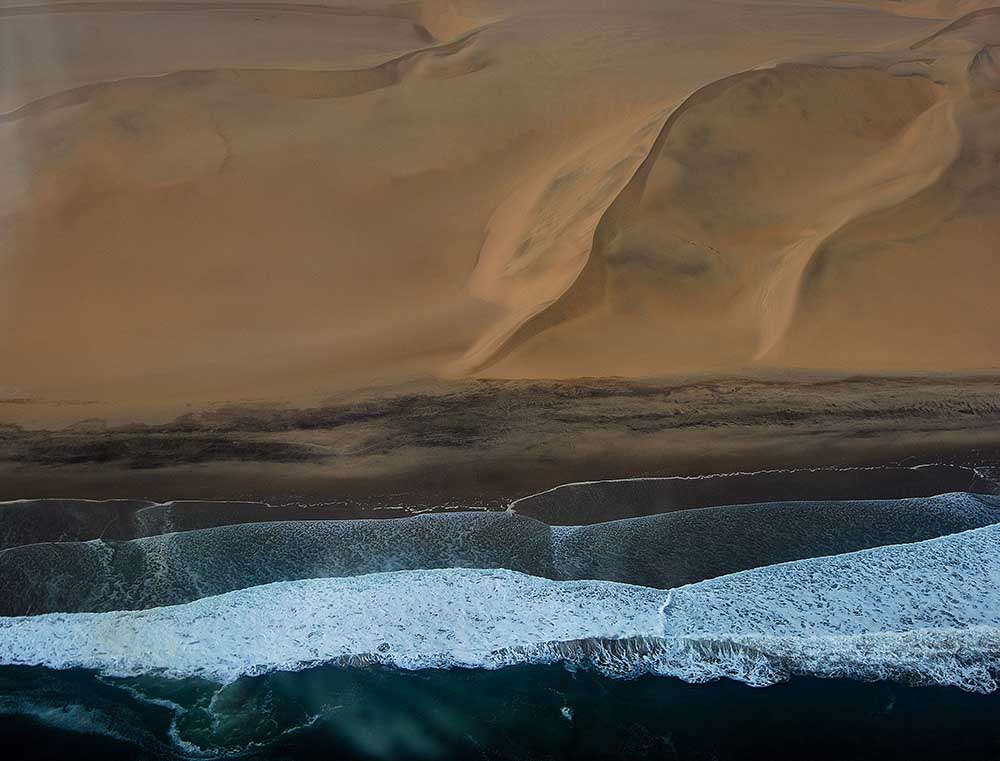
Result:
{"points": [[901, 174], [435, 20], [434, 62], [917, 157]]}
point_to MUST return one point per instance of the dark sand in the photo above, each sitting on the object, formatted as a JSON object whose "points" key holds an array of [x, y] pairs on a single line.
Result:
{"points": [[485, 443]]}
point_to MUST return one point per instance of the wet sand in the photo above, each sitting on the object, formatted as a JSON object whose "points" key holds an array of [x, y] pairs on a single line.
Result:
{"points": [[486, 443]]}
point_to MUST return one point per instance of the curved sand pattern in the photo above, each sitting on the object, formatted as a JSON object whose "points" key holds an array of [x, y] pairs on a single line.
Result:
{"points": [[722, 220], [442, 61], [53, 47], [382, 191], [944, 9], [721, 251]]}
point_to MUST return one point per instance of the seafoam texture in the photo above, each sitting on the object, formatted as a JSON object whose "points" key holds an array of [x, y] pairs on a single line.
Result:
{"points": [[925, 612]]}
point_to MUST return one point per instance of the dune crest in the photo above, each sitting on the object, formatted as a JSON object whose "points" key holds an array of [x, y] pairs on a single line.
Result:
{"points": [[711, 257], [436, 20], [719, 216], [538, 240], [927, 8]]}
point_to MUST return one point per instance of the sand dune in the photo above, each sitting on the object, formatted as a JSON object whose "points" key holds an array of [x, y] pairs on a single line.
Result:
{"points": [[300, 198], [946, 9], [704, 251], [737, 242]]}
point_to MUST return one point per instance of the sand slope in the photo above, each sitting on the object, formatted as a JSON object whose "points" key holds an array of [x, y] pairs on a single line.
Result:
{"points": [[833, 213], [218, 201]]}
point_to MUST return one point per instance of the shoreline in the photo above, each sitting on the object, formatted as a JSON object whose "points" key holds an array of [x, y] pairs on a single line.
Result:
{"points": [[486, 443]]}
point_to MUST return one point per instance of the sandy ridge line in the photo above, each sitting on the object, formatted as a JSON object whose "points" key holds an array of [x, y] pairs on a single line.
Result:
{"points": [[591, 276], [484, 351], [141, 6], [385, 74], [406, 11], [785, 284], [781, 295], [960, 23]]}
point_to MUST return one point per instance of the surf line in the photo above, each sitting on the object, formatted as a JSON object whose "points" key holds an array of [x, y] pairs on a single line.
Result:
{"points": [[511, 507]]}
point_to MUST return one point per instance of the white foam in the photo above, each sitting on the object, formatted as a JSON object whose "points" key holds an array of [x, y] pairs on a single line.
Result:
{"points": [[949, 582], [412, 619], [926, 612], [968, 658]]}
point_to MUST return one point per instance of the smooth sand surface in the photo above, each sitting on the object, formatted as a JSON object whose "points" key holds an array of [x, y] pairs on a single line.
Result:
{"points": [[207, 202]]}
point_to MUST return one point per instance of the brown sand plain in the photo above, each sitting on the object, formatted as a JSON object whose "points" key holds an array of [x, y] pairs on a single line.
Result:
{"points": [[263, 204]]}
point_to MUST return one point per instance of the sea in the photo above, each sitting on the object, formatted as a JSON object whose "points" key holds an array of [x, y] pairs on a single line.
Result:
{"points": [[653, 625]]}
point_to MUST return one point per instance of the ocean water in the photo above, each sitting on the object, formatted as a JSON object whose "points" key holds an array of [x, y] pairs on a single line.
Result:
{"points": [[792, 629], [521, 712]]}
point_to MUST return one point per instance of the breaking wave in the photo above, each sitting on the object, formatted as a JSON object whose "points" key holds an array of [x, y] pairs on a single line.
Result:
{"points": [[925, 612]]}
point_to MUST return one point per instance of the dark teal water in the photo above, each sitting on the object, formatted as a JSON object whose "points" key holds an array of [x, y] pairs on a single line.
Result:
{"points": [[524, 712]]}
